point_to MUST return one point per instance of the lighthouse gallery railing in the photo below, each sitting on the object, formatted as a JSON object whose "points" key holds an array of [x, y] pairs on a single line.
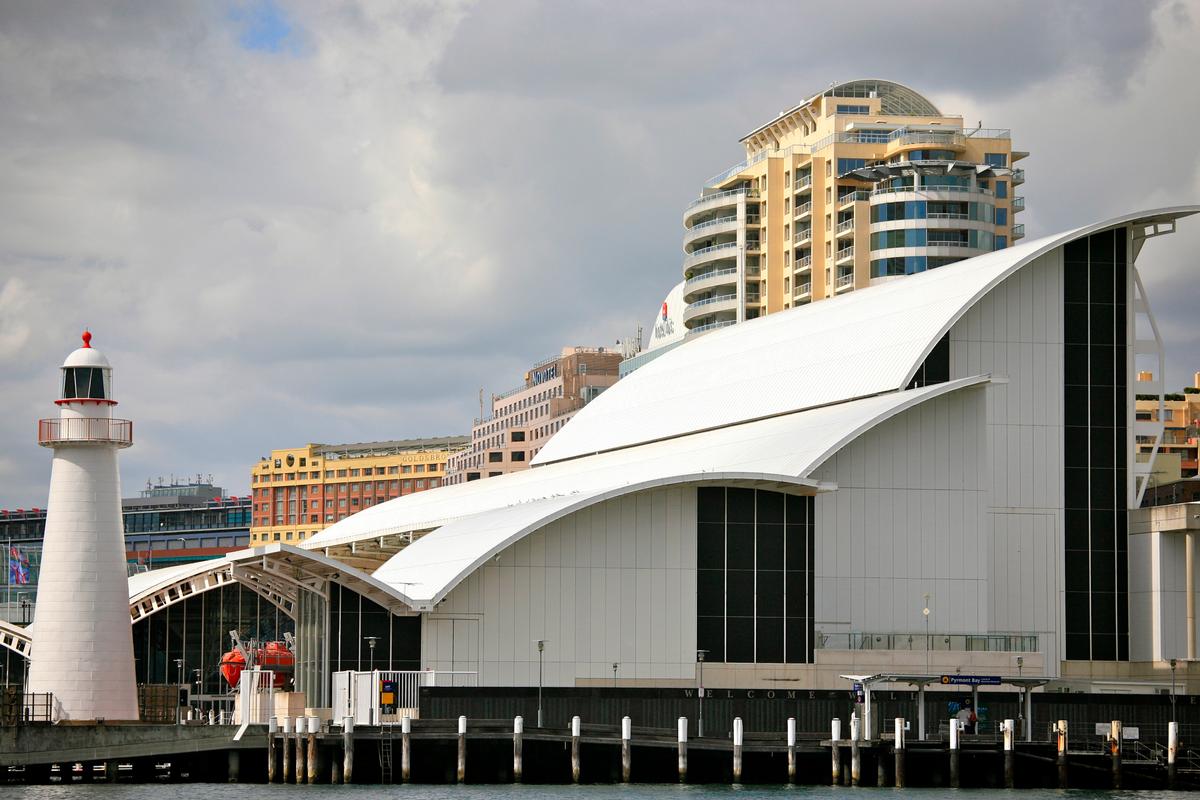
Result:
{"points": [[100, 430]]}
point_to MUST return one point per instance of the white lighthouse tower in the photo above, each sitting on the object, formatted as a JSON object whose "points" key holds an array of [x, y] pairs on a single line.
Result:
{"points": [[82, 637]]}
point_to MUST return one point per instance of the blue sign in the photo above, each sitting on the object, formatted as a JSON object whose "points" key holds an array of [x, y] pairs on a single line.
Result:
{"points": [[970, 680]]}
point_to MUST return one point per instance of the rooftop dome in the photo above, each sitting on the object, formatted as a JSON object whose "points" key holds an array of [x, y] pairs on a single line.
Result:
{"points": [[894, 98], [86, 356]]}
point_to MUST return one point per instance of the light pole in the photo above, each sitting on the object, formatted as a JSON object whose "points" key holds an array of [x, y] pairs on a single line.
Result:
{"points": [[541, 643], [371, 640], [1173, 663], [23, 599], [700, 654], [616, 665], [925, 613]]}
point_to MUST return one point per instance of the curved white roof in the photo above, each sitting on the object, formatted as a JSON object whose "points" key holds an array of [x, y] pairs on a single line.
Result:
{"points": [[860, 344], [782, 451], [87, 357]]}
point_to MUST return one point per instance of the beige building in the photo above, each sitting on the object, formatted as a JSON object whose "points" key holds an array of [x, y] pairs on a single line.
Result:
{"points": [[863, 182], [300, 490], [1177, 454], [524, 418]]}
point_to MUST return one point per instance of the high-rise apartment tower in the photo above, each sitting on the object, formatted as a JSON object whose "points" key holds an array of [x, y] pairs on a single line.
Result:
{"points": [[862, 182]]}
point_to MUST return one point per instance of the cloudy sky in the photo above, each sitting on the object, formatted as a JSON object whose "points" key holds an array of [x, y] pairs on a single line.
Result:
{"points": [[316, 221]]}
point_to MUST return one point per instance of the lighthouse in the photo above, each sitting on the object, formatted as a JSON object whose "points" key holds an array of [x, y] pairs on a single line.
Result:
{"points": [[82, 637]]}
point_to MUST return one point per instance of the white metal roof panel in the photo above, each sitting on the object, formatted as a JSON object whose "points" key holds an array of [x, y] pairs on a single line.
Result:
{"points": [[864, 342]]}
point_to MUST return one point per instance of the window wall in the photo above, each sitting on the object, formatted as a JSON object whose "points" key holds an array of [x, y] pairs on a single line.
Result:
{"points": [[1095, 453], [755, 578]]}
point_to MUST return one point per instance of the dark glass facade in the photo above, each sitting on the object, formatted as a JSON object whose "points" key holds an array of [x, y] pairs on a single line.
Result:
{"points": [[936, 366], [754, 592], [1095, 275], [354, 618]]}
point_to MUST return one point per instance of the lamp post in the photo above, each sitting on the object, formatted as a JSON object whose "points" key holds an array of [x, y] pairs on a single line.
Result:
{"points": [[925, 613], [371, 640], [1173, 663], [541, 643], [23, 599], [616, 665], [700, 654]]}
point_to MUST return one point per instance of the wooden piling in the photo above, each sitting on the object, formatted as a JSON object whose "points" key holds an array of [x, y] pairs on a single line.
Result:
{"points": [[898, 751], [1061, 736], [314, 726], [518, 734], [462, 749], [855, 760], [626, 749], [272, 731], [738, 736], [347, 749], [1010, 766], [111, 768], [954, 755], [575, 765], [1172, 752], [232, 771], [1115, 745], [301, 751], [335, 769], [285, 738], [835, 749], [682, 744], [791, 745], [405, 749]]}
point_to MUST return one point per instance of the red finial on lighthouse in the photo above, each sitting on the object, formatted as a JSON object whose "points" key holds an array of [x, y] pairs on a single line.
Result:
{"points": [[87, 338]]}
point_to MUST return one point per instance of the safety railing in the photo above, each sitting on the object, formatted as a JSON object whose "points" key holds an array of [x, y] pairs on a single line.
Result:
{"points": [[715, 273], [844, 227], [730, 193], [802, 236], [955, 642], [1018, 232], [1018, 176], [844, 253], [803, 208], [802, 289], [709, 224], [853, 197], [803, 262], [1018, 203], [934, 188], [93, 430], [721, 298], [802, 182], [844, 280], [929, 137], [725, 323]]}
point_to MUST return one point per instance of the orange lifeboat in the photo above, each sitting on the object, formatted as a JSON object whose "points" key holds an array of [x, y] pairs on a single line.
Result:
{"points": [[273, 656]]}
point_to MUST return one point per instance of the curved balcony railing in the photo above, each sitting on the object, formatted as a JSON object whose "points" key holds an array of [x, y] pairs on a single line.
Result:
{"points": [[930, 137], [724, 323], [853, 197], [803, 209], [927, 189], [712, 222], [724, 250], [721, 298], [85, 430], [730, 193], [715, 273]]}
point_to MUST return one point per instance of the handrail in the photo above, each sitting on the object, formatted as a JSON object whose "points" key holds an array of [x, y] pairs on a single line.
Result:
{"points": [[710, 274], [800, 236], [1018, 203], [845, 252], [853, 197], [947, 215], [980, 642], [710, 326], [803, 262], [1018, 231], [802, 289], [802, 182], [695, 254], [85, 430], [933, 188], [710, 300], [847, 225], [727, 193], [844, 280], [803, 209], [711, 222]]}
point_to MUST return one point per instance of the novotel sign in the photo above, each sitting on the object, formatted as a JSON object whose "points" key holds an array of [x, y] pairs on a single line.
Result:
{"points": [[544, 374]]}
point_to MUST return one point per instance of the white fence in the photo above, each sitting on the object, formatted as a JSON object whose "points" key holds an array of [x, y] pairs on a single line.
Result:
{"points": [[359, 694]]}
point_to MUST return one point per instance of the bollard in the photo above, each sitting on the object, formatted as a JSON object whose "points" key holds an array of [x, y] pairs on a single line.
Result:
{"points": [[314, 725], [347, 749], [1010, 771], [1114, 744], [575, 750], [898, 748], [1172, 751], [738, 735], [1061, 735], [405, 749], [286, 741], [855, 762], [954, 778], [836, 750], [518, 732], [626, 749], [462, 749], [682, 725], [272, 730], [791, 744]]}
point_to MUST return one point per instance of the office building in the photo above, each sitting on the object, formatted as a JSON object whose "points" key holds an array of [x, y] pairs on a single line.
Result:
{"points": [[858, 184], [1179, 413], [299, 491], [524, 418]]}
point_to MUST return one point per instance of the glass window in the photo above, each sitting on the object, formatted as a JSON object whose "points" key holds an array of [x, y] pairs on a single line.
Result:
{"points": [[1001, 216], [845, 165], [855, 109], [1001, 189], [996, 159], [1001, 242]]}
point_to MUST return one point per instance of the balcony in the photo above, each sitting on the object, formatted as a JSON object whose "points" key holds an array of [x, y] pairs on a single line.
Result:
{"points": [[710, 228], [926, 190], [1018, 232], [802, 182], [843, 281], [860, 195], [803, 263], [724, 323], [939, 138], [753, 245], [845, 228], [1018, 204], [802, 291], [804, 211], [710, 306], [753, 297], [801, 237], [85, 431], [714, 277], [706, 254], [845, 255], [710, 202], [1018, 176]]}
